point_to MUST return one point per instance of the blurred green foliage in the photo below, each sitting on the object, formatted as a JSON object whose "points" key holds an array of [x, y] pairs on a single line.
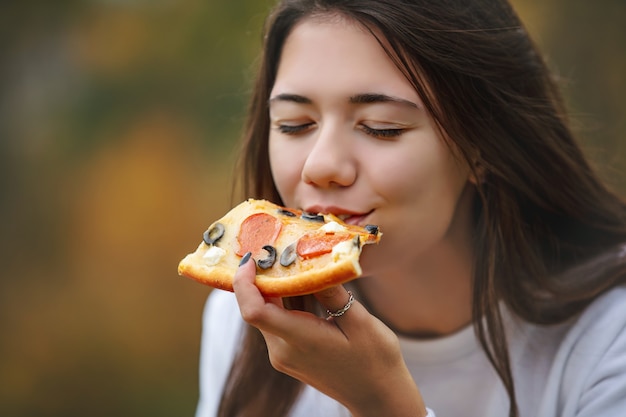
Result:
{"points": [[118, 124]]}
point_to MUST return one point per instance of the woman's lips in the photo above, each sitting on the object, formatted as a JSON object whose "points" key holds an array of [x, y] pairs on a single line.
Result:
{"points": [[347, 216]]}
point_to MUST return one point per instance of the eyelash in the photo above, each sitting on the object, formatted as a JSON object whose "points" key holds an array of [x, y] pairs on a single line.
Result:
{"points": [[382, 133], [294, 130], [377, 133]]}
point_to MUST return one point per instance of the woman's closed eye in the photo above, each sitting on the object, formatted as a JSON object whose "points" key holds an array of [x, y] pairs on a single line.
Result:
{"points": [[295, 129], [382, 133]]}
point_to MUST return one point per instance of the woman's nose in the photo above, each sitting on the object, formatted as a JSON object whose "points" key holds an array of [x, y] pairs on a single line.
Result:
{"points": [[330, 161]]}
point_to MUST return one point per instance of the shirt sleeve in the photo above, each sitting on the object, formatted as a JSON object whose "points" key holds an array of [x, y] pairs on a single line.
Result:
{"points": [[221, 331], [604, 392], [595, 378]]}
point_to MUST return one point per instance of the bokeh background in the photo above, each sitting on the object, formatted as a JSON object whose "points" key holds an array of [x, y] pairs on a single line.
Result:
{"points": [[118, 127]]}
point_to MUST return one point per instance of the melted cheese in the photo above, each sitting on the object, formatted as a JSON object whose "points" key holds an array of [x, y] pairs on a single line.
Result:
{"points": [[213, 255], [343, 249], [332, 227]]}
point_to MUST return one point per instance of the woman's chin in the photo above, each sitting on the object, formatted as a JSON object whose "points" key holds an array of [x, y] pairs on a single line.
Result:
{"points": [[372, 261]]}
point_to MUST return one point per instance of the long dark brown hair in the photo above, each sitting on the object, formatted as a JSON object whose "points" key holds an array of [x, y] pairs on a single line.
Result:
{"points": [[547, 230]]}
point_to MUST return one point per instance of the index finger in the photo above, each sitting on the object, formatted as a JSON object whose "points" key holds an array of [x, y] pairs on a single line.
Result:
{"points": [[247, 294], [268, 314]]}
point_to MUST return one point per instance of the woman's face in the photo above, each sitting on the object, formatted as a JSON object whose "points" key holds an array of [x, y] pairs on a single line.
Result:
{"points": [[349, 135]]}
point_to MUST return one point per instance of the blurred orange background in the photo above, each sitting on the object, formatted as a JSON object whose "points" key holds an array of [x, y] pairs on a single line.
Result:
{"points": [[118, 128]]}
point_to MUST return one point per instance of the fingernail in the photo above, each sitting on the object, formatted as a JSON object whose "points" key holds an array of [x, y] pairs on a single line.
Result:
{"points": [[245, 258]]}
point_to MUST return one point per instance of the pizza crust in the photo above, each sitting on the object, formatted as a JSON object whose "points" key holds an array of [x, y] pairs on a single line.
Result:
{"points": [[302, 283], [305, 276]]}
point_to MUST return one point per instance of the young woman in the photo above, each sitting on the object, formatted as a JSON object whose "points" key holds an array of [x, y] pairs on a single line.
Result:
{"points": [[498, 287]]}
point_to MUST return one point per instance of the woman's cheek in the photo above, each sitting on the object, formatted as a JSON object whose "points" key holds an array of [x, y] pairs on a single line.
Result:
{"points": [[403, 178], [284, 166]]}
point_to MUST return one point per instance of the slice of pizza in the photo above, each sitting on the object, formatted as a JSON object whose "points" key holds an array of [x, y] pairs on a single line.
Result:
{"points": [[295, 252]]}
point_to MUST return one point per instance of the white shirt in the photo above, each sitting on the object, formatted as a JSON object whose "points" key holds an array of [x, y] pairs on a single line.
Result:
{"points": [[575, 369]]}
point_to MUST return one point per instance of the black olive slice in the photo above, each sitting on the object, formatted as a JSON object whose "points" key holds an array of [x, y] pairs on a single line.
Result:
{"points": [[287, 213], [289, 255], [271, 258], [213, 234], [372, 229], [356, 241], [313, 217]]}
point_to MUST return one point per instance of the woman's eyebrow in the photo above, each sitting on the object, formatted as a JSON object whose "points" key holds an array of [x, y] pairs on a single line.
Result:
{"points": [[368, 98], [365, 98], [294, 98]]}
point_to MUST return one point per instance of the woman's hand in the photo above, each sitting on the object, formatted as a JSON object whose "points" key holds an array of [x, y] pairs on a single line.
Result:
{"points": [[353, 358]]}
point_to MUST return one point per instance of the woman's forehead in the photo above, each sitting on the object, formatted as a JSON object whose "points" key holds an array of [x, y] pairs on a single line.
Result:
{"points": [[348, 56]]}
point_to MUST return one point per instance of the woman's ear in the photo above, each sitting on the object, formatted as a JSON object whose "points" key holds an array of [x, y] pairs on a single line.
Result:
{"points": [[477, 172]]}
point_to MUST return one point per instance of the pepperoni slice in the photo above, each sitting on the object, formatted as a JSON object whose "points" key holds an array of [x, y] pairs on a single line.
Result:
{"points": [[316, 244], [256, 231]]}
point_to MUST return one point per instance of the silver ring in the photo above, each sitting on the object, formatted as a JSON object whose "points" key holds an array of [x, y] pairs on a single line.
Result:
{"points": [[343, 309]]}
